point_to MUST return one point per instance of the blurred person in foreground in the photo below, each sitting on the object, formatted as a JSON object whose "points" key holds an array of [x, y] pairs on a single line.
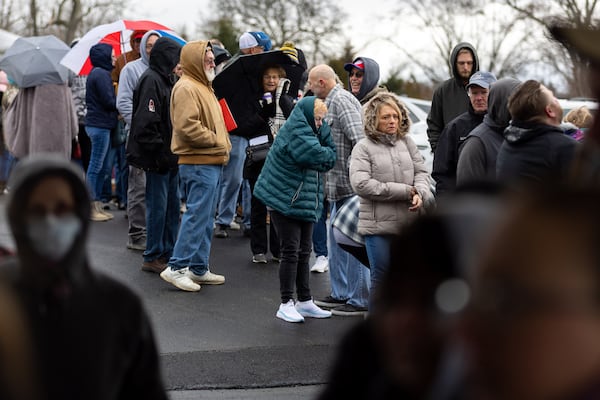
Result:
{"points": [[291, 185], [405, 348], [91, 336], [389, 175], [532, 330]]}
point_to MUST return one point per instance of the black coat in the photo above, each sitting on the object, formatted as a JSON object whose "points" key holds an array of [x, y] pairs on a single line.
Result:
{"points": [[91, 337], [446, 153], [534, 152], [149, 144]]}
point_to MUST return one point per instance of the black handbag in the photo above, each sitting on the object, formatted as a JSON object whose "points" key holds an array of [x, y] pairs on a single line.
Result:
{"points": [[257, 153]]}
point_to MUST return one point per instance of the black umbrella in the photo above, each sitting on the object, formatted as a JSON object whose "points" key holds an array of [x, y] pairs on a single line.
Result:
{"points": [[244, 73], [240, 82]]}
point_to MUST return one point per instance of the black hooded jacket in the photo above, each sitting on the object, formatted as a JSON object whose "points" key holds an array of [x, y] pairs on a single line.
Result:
{"points": [[477, 156], [450, 97], [91, 337], [533, 152], [149, 144], [446, 153]]}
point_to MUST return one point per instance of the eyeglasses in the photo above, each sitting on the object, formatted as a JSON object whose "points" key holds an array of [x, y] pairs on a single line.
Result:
{"points": [[358, 74]]}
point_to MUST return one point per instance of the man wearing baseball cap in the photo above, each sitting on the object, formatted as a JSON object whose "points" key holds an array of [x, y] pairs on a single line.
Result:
{"points": [[363, 76], [254, 42], [455, 133]]}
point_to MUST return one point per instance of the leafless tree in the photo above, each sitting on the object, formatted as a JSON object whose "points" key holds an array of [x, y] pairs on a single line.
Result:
{"points": [[501, 36], [65, 19], [572, 13], [310, 24]]}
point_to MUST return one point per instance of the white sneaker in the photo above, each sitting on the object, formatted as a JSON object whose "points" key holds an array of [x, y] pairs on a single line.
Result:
{"points": [[180, 279], [321, 265], [311, 310], [288, 312], [208, 278], [234, 226]]}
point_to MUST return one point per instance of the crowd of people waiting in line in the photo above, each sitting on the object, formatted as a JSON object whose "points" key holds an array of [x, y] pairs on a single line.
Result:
{"points": [[507, 297]]}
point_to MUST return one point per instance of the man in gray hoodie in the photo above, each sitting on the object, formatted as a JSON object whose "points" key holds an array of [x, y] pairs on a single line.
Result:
{"points": [[136, 190]]}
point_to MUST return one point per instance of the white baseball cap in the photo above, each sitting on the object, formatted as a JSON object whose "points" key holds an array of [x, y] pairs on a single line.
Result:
{"points": [[247, 41]]}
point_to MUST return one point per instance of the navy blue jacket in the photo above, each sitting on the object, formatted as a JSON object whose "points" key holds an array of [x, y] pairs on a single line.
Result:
{"points": [[100, 96]]}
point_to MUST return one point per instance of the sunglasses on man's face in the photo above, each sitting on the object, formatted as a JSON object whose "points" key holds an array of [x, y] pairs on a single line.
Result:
{"points": [[358, 74]]}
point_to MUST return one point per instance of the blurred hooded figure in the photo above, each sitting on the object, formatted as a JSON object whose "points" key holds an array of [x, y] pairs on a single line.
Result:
{"points": [[83, 324]]}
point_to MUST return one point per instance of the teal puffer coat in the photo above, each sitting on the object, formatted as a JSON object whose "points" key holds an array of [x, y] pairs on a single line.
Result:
{"points": [[291, 180]]}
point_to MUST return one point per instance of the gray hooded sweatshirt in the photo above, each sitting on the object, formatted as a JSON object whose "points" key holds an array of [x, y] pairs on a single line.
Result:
{"points": [[477, 157], [129, 78]]}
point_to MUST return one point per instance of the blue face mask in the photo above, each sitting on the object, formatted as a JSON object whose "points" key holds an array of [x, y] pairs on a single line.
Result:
{"points": [[53, 236]]}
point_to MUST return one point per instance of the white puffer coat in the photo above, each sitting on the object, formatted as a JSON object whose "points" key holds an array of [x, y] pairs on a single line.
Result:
{"points": [[382, 173]]}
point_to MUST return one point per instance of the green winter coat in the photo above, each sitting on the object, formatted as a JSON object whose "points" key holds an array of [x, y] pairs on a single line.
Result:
{"points": [[291, 180]]}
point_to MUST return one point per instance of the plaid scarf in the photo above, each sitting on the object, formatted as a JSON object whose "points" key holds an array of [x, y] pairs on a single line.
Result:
{"points": [[276, 122]]}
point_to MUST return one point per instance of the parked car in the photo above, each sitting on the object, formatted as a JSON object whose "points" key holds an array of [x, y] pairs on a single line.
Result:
{"points": [[418, 110]]}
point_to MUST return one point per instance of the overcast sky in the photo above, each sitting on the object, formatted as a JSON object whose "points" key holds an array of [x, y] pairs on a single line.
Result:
{"points": [[363, 25]]}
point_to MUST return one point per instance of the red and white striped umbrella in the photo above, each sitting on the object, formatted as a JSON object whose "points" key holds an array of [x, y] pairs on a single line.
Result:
{"points": [[116, 34]]}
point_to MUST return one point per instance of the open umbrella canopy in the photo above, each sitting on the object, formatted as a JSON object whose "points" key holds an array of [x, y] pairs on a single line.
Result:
{"points": [[241, 80], [117, 35], [244, 73], [35, 60]]}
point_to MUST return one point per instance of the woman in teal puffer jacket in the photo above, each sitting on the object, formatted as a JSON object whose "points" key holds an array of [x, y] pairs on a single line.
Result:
{"points": [[291, 186]]}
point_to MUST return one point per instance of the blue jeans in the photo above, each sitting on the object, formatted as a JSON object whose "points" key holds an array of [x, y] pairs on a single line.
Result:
{"points": [[100, 138], [231, 179], [162, 214], [378, 250], [7, 162], [348, 277], [192, 249], [319, 236], [115, 158]]}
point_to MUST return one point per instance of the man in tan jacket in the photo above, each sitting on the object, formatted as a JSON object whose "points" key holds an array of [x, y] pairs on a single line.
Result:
{"points": [[201, 142]]}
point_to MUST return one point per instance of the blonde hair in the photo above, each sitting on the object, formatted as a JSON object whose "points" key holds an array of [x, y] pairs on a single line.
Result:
{"points": [[581, 117], [320, 106]]}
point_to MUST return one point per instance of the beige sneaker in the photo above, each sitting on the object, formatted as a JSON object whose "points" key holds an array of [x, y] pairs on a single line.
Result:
{"points": [[179, 279], [95, 214], [208, 278]]}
